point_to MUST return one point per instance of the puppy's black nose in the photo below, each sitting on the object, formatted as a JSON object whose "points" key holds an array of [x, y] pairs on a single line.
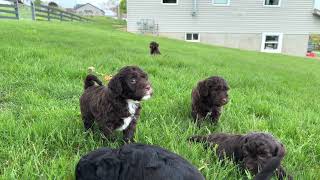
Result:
{"points": [[148, 87]]}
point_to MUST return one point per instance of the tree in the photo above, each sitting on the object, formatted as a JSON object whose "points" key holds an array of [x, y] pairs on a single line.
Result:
{"points": [[123, 6], [37, 2], [53, 4]]}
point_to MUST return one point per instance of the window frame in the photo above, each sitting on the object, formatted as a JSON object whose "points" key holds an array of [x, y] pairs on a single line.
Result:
{"points": [[192, 33], [170, 4], [276, 6], [280, 42], [228, 4]]}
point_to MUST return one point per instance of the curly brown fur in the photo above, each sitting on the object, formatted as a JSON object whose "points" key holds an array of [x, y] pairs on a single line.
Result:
{"points": [[154, 48], [135, 162], [257, 152], [117, 106], [208, 98]]}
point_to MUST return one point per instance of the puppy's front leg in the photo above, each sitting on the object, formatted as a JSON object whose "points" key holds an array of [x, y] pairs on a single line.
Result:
{"points": [[215, 114], [128, 134], [107, 130], [282, 175]]}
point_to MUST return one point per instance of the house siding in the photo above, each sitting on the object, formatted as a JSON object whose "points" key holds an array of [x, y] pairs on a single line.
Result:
{"points": [[95, 12], [293, 44], [242, 16]]}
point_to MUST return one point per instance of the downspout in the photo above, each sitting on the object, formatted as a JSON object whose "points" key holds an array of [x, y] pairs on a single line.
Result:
{"points": [[195, 8]]}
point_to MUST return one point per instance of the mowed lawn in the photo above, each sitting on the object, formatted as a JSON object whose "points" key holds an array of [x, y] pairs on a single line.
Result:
{"points": [[43, 64]]}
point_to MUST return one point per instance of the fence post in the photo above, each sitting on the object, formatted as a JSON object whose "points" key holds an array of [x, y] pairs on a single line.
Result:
{"points": [[33, 11], [61, 17], [48, 13], [17, 9]]}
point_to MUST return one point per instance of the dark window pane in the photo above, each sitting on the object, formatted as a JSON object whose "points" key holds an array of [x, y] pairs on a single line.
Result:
{"points": [[271, 2], [195, 37], [189, 36], [169, 1], [271, 46], [272, 38]]}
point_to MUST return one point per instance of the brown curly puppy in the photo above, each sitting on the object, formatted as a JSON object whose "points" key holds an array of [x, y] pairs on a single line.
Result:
{"points": [[117, 106], [154, 48], [253, 151], [208, 98]]}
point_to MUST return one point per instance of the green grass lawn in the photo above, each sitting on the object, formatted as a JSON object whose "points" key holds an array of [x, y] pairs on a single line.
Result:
{"points": [[43, 65]]}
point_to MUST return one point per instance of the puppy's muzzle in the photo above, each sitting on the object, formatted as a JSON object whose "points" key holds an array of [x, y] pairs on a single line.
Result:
{"points": [[149, 90], [224, 101]]}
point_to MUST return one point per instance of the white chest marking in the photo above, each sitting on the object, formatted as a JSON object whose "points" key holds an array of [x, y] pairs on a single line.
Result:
{"points": [[132, 107]]}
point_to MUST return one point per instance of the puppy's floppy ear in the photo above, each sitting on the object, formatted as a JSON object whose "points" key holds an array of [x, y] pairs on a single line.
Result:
{"points": [[279, 151], [203, 89], [108, 168], [115, 85]]}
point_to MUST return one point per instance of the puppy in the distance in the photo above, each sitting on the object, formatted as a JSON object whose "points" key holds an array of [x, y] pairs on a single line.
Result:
{"points": [[208, 98], [154, 48], [115, 107]]}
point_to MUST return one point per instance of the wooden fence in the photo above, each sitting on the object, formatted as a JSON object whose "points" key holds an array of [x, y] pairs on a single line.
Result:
{"points": [[41, 12], [10, 11], [48, 13]]}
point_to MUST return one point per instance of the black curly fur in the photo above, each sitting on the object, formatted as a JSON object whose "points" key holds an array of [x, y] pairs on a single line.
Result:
{"points": [[108, 106], [135, 162], [154, 48], [257, 152], [208, 98]]}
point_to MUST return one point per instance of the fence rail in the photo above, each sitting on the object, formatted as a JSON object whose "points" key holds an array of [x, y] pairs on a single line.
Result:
{"points": [[11, 10], [38, 12], [50, 13]]}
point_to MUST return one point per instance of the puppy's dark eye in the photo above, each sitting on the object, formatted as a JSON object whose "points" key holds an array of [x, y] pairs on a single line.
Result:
{"points": [[144, 76], [133, 81]]}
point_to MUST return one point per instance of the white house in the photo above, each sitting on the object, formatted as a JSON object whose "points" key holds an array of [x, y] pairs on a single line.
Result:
{"points": [[275, 26], [88, 10]]}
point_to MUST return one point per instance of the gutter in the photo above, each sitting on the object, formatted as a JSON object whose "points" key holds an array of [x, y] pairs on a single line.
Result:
{"points": [[194, 9]]}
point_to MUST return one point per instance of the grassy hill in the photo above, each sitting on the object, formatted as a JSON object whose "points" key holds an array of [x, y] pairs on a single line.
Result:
{"points": [[43, 64]]}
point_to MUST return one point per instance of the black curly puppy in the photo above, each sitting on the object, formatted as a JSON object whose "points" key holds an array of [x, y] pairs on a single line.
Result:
{"points": [[117, 106], [154, 48], [208, 98], [135, 162], [257, 152]]}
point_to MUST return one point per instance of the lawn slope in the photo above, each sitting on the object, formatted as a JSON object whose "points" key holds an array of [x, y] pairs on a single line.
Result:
{"points": [[43, 64]]}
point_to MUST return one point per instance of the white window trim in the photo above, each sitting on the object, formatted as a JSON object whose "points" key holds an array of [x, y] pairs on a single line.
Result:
{"points": [[228, 4], [276, 6], [170, 4], [185, 37], [263, 42]]}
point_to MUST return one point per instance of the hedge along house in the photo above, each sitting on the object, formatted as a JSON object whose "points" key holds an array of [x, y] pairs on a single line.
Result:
{"points": [[274, 26]]}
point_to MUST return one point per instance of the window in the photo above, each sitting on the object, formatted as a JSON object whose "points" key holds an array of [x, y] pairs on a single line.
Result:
{"points": [[273, 3], [221, 2], [271, 42], [170, 2], [193, 37]]}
